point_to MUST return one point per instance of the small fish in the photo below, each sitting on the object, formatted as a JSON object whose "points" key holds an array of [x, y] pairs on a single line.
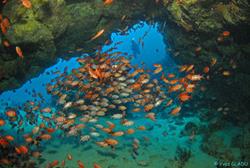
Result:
{"points": [[9, 138], [111, 142], [130, 131], [6, 43], [80, 164], [151, 116], [102, 144], [226, 34], [158, 68], [97, 165], [36, 154], [69, 156], [23, 149], [118, 133], [175, 88], [2, 122], [11, 113], [141, 128], [45, 136], [176, 110], [98, 34], [213, 61], [107, 2], [184, 97], [19, 52], [46, 110], [169, 102], [226, 73], [27, 4], [206, 69], [53, 164]]}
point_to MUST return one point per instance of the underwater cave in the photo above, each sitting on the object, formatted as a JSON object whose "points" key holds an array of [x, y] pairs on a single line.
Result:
{"points": [[124, 84]]}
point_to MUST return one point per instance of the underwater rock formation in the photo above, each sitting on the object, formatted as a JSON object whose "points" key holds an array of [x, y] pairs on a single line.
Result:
{"points": [[182, 156], [49, 30], [214, 146]]}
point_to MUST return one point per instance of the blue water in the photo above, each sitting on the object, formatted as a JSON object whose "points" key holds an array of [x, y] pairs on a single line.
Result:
{"points": [[161, 134], [153, 51]]}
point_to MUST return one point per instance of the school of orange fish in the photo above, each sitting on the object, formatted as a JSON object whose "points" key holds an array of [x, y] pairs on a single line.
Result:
{"points": [[95, 100], [105, 86]]}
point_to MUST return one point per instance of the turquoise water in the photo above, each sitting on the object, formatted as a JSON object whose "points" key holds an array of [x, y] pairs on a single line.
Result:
{"points": [[161, 145]]}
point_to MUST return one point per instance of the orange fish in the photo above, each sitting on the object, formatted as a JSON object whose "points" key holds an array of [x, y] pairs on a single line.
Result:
{"points": [[9, 138], [118, 133], [102, 144], [27, 4], [189, 68], [45, 136], [171, 75], [176, 110], [172, 82], [46, 110], [130, 131], [194, 77], [6, 23], [98, 34], [148, 107], [3, 28], [50, 130], [11, 113], [3, 142], [136, 110], [141, 128], [158, 68], [226, 33], [19, 52], [6, 43], [183, 68], [107, 2], [22, 149], [36, 154], [28, 139], [206, 69], [92, 73], [111, 125], [111, 142], [184, 97], [54, 163], [151, 116], [2, 122], [175, 88], [63, 163], [18, 151], [97, 165], [80, 164]]}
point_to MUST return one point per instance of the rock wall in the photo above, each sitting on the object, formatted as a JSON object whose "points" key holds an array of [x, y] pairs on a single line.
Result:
{"points": [[52, 28]]}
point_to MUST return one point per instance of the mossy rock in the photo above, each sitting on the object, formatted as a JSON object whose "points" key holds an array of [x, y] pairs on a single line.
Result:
{"points": [[30, 32]]}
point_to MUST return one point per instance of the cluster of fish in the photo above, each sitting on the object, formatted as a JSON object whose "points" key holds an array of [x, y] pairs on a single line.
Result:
{"points": [[96, 103], [107, 85]]}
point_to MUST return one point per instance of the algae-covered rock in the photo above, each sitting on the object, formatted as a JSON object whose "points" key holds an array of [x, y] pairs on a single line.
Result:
{"points": [[207, 16], [214, 145], [30, 32]]}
